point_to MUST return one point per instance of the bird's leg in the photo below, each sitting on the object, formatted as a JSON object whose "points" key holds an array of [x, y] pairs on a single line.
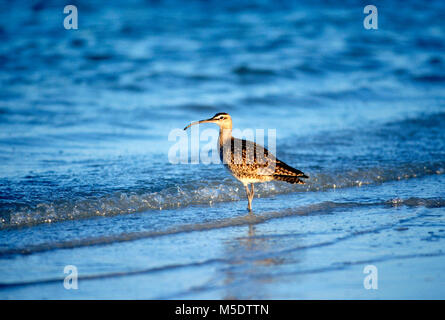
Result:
{"points": [[250, 194], [249, 198]]}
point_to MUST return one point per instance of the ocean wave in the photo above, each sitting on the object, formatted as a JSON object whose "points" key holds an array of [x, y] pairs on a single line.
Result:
{"points": [[324, 207], [214, 191], [245, 70]]}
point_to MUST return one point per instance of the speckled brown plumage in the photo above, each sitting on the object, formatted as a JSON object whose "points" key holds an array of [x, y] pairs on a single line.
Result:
{"points": [[248, 162]]}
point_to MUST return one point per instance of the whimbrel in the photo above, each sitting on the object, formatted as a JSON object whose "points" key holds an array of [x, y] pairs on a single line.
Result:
{"points": [[247, 161]]}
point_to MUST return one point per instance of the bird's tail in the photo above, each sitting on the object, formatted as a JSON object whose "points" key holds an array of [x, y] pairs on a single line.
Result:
{"points": [[288, 179], [284, 172]]}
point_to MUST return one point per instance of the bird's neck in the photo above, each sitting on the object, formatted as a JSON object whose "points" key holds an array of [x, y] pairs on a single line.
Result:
{"points": [[225, 134]]}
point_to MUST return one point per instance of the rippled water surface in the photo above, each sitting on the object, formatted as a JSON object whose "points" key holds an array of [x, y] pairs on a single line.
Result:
{"points": [[85, 177]]}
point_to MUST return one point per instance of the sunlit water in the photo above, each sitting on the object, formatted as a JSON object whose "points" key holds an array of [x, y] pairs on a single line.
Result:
{"points": [[85, 177]]}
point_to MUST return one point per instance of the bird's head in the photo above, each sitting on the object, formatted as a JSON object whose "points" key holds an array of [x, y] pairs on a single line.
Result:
{"points": [[223, 120]]}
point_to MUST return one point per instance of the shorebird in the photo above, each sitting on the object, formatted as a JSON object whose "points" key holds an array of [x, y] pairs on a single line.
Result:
{"points": [[247, 161]]}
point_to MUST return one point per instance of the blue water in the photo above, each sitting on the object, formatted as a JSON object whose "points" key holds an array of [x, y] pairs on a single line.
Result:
{"points": [[85, 178]]}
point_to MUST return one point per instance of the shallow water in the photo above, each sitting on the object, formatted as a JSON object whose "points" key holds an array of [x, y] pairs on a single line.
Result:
{"points": [[85, 177]]}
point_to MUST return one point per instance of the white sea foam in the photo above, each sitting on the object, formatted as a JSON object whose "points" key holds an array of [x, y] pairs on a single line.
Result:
{"points": [[203, 194]]}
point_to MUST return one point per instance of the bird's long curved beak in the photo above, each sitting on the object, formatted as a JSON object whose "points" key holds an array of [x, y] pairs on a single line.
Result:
{"points": [[198, 122]]}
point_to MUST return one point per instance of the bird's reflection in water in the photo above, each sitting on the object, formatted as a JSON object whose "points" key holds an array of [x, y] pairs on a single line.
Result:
{"points": [[253, 262]]}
